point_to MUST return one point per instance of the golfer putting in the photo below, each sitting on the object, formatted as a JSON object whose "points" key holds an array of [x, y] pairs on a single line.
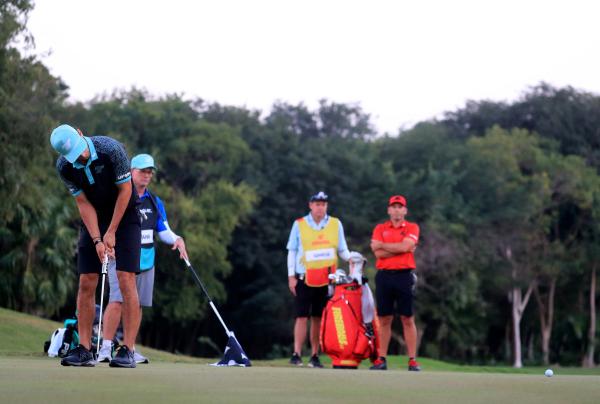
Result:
{"points": [[96, 172]]}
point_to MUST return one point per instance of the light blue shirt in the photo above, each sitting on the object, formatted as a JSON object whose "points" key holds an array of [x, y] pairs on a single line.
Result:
{"points": [[295, 244]]}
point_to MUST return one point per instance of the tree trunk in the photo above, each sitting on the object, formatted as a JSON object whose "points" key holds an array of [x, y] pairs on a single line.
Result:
{"points": [[171, 341], [519, 302], [588, 360], [193, 341], [516, 325], [530, 349], [546, 312], [28, 294], [507, 344], [420, 333]]}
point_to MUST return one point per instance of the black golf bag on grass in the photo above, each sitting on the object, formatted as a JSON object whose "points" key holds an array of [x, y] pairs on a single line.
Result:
{"points": [[66, 338], [62, 339]]}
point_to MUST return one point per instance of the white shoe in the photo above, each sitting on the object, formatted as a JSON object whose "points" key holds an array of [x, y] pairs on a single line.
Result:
{"points": [[139, 358], [105, 354]]}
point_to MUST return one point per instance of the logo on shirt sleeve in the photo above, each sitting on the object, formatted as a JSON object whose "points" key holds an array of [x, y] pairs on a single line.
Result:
{"points": [[121, 177]]}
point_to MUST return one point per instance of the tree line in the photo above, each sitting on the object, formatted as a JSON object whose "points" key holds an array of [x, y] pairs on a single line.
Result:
{"points": [[506, 194]]}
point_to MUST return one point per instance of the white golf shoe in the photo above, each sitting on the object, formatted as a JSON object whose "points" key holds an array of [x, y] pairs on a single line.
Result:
{"points": [[105, 354], [139, 358]]}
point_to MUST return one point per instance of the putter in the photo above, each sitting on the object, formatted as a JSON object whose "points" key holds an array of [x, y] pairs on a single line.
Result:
{"points": [[234, 353], [104, 272], [210, 302]]}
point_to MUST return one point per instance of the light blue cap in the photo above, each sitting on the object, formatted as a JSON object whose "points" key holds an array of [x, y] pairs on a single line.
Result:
{"points": [[142, 161], [67, 141]]}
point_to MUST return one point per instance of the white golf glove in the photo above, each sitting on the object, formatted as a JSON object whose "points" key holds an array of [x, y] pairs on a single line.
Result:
{"points": [[357, 263]]}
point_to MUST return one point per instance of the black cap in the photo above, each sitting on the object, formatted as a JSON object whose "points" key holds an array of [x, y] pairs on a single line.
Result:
{"points": [[319, 196]]}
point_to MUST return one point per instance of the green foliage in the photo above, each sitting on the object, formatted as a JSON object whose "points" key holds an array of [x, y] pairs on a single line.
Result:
{"points": [[569, 116], [37, 246], [13, 18], [210, 152]]}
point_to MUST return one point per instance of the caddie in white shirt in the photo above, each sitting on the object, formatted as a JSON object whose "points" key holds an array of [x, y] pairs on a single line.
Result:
{"points": [[316, 240]]}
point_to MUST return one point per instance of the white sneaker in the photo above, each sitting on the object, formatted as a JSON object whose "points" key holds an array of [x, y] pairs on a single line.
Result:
{"points": [[105, 354], [139, 358]]}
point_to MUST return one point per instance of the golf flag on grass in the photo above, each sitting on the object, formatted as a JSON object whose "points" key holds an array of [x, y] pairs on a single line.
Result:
{"points": [[234, 355]]}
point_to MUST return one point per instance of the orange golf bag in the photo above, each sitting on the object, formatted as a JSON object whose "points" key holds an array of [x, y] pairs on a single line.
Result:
{"points": [[345, 338]]}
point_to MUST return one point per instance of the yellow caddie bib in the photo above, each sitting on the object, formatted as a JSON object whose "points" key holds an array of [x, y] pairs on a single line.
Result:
{"points": [[319, 248]]}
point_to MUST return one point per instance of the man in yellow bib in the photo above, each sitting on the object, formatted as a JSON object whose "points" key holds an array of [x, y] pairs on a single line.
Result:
{"points": [[315, 242]]}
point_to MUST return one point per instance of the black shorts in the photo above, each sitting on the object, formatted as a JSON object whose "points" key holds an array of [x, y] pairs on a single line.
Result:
{"points": [[127, 249], [310, 301], [394, 286]]}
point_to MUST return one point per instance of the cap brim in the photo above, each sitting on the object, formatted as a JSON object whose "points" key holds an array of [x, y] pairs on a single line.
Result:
{"points": [[396, 202], [144, 167], [77, 150]]}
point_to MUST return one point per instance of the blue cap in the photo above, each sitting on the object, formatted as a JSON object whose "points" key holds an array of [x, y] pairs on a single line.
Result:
{"points": [[142, 161], [319, 196], [68, 142]]}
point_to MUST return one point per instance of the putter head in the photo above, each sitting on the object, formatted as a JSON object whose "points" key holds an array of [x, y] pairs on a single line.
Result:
{"points": [[95, 355]]}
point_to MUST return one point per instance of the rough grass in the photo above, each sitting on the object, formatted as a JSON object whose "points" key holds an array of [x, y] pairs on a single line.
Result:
{"points": [[23, 335]]}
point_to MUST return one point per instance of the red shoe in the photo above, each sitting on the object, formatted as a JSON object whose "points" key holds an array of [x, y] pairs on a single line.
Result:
{"points": [[414, 366], [379, 364]]}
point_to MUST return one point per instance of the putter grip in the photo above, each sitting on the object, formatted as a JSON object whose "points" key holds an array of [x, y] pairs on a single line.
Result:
{"points": [[105, 264]]}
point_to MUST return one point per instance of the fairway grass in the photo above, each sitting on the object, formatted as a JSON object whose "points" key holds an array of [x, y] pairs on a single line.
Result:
{"points": [[37, 380], [28, 376]]}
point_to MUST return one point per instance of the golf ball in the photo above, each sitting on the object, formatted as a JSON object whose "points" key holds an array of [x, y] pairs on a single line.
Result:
{"points": [[549, 373]]}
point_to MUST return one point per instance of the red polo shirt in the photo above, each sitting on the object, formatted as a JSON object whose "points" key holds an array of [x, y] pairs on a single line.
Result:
{"points": [[387, 233]]}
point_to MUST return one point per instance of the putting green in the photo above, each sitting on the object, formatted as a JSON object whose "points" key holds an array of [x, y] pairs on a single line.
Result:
{"points": [[35, 380]]}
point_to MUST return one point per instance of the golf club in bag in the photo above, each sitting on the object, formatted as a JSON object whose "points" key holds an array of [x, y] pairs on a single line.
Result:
{"points": [[104, 272], [234, 355]]}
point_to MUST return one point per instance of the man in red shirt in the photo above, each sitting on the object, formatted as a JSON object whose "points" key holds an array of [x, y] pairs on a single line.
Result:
{"points": [[393, 244]]}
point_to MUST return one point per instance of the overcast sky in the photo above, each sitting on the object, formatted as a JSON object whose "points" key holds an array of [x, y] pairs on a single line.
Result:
{"points": [[402, 61]]}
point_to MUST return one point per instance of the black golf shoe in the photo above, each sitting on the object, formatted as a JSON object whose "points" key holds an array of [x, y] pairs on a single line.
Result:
{"points": [[123, 358], [79, 356], [314, 362], [296, 359]]}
